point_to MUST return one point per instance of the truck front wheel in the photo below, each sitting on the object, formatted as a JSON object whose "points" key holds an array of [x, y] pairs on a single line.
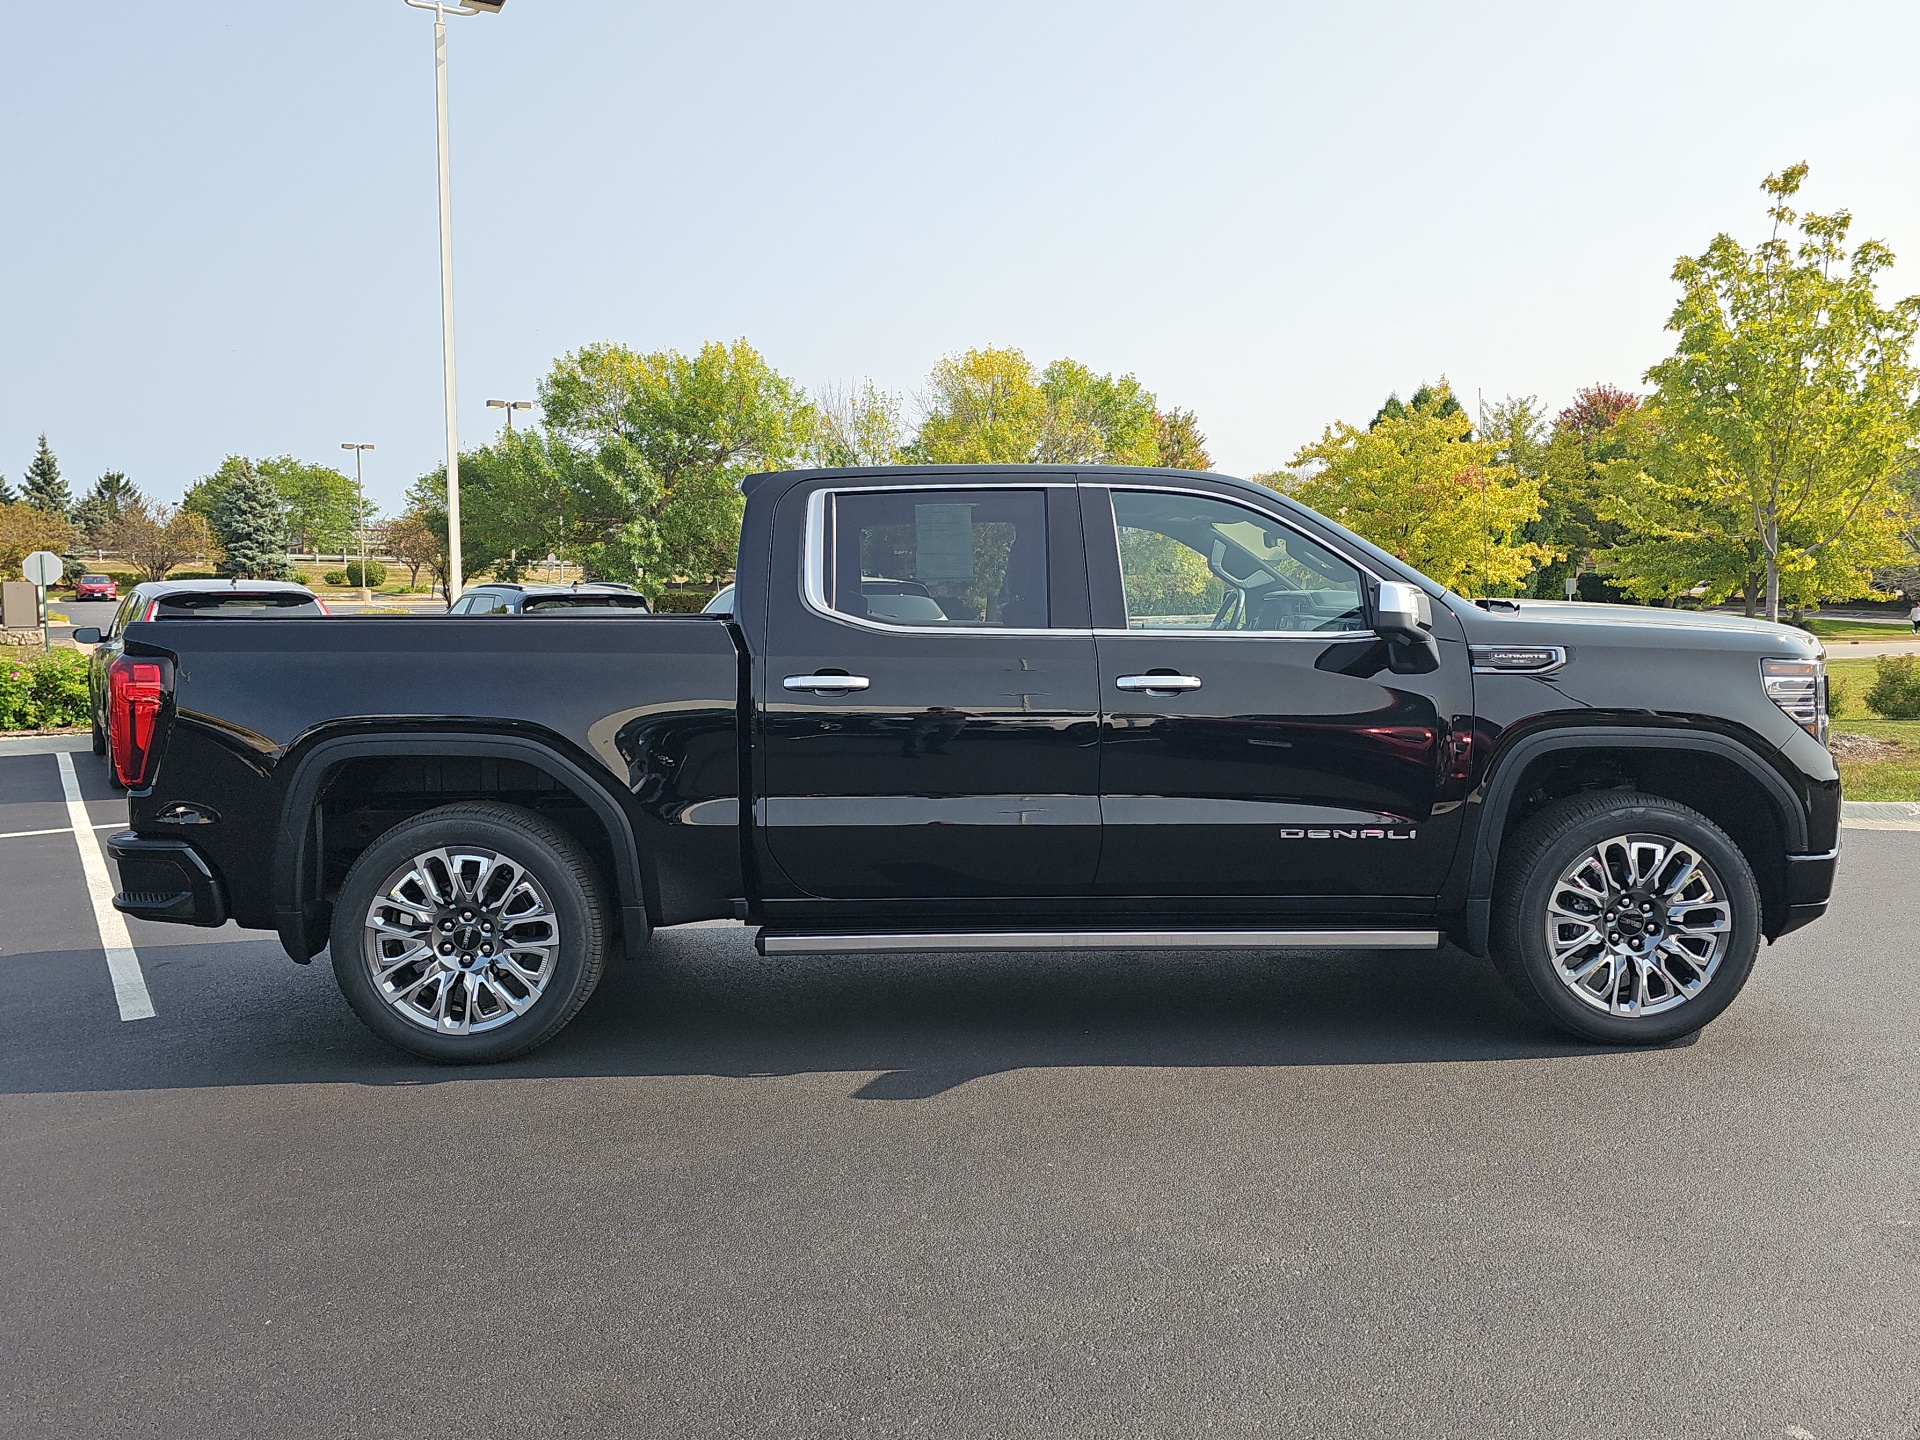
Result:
{"points": [[1625, 918], [470, 933]]}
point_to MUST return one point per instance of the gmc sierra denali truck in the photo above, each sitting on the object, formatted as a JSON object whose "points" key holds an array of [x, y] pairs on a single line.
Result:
{"points": [[991, 707]]}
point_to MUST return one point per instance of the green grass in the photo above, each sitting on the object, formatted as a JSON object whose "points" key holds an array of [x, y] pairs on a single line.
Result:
{"points": [[1895, 778], [1859, 629]]}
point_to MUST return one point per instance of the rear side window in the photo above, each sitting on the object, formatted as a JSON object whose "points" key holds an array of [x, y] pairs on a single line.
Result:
{"points": [[237, 605], [587, 602], [939, 558], [1191, 562]]}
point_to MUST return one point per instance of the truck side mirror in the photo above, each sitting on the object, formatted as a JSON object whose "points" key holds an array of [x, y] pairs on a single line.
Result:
{"points": [[1402, 612], [87, 635]]}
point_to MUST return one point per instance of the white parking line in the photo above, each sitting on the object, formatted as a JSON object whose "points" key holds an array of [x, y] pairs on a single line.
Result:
{"points": [[129, 985], [58, 830]]}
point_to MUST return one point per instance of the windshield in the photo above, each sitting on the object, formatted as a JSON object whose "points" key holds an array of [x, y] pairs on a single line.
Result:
{"points": [[237, 605]]}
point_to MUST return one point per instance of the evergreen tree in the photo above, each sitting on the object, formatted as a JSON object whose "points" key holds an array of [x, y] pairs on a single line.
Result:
{"points": [[8, 495], [251, 527], [43, 487], [112, 495]]}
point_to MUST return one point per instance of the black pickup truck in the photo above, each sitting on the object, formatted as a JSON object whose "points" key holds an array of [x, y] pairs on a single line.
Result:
{"points": [[992, 707]]}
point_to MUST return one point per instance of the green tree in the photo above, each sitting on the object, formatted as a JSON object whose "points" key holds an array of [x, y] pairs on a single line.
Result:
{"points": [[982, 407], [1437, 399], [8, 495], [1788, 409], [319, 503], [1178, 443], [25, 529], [660, 443], [1424, 488], [990, 407], [249, 522], [42, 487], [103, 505]]}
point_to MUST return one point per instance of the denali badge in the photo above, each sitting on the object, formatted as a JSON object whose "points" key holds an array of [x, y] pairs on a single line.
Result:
{"points": [[1342, 832]]}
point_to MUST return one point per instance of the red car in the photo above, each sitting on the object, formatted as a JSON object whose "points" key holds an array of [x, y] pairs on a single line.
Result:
{"points": [[96, 587]]}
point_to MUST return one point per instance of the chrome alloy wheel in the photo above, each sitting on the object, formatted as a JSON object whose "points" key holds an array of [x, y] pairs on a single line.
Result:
{"points": [[1638, 925], [461, 941]]}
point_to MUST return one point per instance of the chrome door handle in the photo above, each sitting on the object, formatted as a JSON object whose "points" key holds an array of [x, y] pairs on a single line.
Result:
{"points": [[827, 684], [1157, 682]]}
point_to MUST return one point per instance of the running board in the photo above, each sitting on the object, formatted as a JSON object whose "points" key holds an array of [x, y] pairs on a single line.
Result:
{"points": [[790, 942]]}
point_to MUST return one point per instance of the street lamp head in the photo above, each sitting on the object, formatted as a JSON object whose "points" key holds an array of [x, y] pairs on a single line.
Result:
{"points": [[490, 7]]}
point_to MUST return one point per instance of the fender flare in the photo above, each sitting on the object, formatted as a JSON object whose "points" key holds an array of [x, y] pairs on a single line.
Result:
{"points": [[298, 909], [1507, 768]]}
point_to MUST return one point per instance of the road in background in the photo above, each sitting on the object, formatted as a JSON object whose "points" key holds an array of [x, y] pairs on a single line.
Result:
{"points": [[984, 1195]]}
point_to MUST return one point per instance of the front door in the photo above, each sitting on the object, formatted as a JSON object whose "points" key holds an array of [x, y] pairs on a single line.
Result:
{"points": [[1255, 741], [928, 702]]}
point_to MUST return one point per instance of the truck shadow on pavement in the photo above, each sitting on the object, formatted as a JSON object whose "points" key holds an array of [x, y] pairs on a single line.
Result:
{"points": [[703, 1003]]}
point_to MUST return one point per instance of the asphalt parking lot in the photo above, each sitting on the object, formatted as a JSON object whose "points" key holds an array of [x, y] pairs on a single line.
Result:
{"points": [[1117, 1195]]}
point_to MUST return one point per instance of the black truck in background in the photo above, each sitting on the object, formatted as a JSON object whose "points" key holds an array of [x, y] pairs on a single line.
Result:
{"points": [[992, 707]]}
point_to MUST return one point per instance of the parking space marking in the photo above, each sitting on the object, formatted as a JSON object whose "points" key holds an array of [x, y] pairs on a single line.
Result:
{"points": [[129, 985], [59, 830]]}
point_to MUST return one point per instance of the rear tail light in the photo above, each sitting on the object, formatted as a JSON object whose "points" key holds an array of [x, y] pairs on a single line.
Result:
{"points": [[135, 689], [322, 604], [1799, 687]]}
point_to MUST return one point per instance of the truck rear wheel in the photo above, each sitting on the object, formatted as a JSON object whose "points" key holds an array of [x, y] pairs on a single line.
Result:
{"points": [[1625, 918], [470, 933]]}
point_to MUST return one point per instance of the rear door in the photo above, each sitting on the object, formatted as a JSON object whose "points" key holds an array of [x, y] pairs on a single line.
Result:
{"points": [[1256, 742], [929, 712]]}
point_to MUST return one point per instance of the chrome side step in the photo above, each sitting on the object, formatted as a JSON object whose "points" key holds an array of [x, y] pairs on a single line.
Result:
{"points": [[788, 942]]}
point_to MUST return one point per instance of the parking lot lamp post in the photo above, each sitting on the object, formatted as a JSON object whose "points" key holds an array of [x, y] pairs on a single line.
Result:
{"points": [[509, 406], [440, 12], [360, 513]]}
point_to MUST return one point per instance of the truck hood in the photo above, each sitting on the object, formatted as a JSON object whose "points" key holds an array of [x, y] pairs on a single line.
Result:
{"points": [[1558, 622]]}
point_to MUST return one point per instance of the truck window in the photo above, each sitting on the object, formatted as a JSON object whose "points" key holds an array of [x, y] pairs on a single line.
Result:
{"points": [[940, 557], [1191, 562]]}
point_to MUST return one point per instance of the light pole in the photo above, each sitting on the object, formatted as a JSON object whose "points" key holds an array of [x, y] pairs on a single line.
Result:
{"points": [[509, 406], [360, 513], [440, 9]]}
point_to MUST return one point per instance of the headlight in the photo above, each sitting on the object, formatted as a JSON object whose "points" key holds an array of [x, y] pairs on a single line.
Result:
{"points": [[1799, 687]]}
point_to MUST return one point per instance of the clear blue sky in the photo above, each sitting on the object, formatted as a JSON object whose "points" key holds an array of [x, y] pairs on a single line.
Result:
{"points": [[219, 232]]}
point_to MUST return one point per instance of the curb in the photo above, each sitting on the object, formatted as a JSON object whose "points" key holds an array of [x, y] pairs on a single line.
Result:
{"points": [[50, 745], [1879, 815]]}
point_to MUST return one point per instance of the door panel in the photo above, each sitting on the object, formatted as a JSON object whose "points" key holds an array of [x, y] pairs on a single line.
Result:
{"points": [[1299, 765], [967, 764]]}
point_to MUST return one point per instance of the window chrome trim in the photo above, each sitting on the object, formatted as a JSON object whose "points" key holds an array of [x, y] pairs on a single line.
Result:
{"points": [[1334, 550], [813, 571]]}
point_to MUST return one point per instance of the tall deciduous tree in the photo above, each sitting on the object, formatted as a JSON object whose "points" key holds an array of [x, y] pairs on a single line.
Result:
{"points": [[317, 502], [1422, 487], [855, 425], [1788, 409], [155, 537], [662, 441], [42, 487], [1178, 443], [25, 529], [250, 524], [990, 407]]}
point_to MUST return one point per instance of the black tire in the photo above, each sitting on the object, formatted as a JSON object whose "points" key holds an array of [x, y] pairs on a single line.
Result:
{"points": [[99, 735], [1534, 864], [554, 862]]}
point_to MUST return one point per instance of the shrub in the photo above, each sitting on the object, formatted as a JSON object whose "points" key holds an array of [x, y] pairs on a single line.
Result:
{"points": [[1896, 687], [334, 577], [193, 575], [376, 574], [1839, 695], [682, 602], [43, 692]]}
